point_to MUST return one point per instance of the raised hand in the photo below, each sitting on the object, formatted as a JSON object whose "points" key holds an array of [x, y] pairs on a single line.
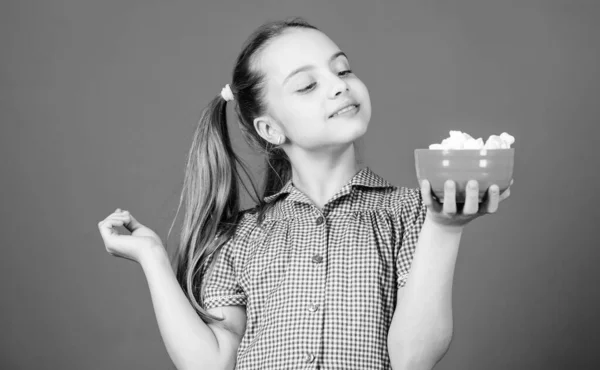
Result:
{"points": [[132, 247]]}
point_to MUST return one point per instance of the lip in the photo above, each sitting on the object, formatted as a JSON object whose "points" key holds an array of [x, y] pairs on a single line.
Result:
{"points": [[345, 105]]}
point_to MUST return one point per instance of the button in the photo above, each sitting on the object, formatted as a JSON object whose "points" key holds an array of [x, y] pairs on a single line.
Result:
{"points": [[317, 258], [309, 357], [320, 220], [313, 307]]}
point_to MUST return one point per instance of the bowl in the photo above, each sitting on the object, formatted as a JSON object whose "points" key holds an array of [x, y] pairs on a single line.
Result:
{"points": [[487, 166]]}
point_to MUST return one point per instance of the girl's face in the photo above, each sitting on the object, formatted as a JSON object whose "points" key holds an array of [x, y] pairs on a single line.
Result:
{"points": [[308, 79]]}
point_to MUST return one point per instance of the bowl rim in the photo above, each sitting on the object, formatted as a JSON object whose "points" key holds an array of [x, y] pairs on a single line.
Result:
{"points": [[463, 149], [421, 150]]}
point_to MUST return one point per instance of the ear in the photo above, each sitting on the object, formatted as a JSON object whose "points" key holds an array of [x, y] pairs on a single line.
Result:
{"points": [[268, 129]]}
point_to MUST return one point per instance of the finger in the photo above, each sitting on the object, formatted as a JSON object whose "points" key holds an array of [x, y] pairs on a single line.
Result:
{"points": [[427, 199], [472, 198], [493, 199], [427, 196], [505, 194], [107, 227], [449, 197], [132, 224], [117, 212], [121, 218]]}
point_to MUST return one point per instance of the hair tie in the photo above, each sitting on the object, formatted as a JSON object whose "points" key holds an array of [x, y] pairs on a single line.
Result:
{"points": [[226, 93]]}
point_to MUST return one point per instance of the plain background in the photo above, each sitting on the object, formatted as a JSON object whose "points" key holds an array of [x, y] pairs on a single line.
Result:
{"points": [[99, 99]]}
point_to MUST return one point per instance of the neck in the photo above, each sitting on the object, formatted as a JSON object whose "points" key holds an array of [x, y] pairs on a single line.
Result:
{"points": [[320, 176]]}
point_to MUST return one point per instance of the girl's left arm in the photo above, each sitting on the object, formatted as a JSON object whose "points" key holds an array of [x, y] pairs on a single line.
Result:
{"points": [[421, 328]]}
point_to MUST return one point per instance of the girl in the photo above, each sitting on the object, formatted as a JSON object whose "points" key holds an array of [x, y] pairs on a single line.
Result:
{"points": [[316, 275]]}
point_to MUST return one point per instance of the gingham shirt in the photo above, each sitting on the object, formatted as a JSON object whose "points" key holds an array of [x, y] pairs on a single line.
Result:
{"points": [[320, 287]]}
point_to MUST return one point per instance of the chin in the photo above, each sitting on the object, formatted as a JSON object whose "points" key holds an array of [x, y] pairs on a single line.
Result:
{"points": [[361, 122], [355, 131]]}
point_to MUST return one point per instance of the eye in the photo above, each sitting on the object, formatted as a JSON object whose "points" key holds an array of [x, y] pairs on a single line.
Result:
{"points": [[308, 87]]}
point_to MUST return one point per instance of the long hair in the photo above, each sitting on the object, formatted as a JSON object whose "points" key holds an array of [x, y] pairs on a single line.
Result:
{"points": [[212, 175]]}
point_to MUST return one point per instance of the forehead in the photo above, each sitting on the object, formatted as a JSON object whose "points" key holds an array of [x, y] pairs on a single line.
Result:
{"points": [[293, 49]]}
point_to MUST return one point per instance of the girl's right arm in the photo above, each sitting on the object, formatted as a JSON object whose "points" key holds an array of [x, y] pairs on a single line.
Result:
{"points": [[190, 342]]}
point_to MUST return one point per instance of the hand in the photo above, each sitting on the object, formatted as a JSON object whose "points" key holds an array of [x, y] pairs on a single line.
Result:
{"points": [[447, 214], [133, 247]]}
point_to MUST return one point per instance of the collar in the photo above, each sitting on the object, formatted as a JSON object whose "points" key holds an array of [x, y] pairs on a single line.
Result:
{"points": [[364, 177]]}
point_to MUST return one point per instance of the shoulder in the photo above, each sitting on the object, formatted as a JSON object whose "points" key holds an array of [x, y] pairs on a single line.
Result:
{"points": [[234, 234], [243, 227], [248, 221], [400, 199], [406, 204]]}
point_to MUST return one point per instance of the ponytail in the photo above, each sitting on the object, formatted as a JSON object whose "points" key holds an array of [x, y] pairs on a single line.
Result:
{"points": [[212, 201], [211, 186]]}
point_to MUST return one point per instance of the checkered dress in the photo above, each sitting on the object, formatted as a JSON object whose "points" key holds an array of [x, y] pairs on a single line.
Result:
{"points": [[320, 286]]}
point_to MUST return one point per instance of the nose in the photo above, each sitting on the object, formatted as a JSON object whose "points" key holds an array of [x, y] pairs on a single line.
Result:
{"points": [[339, 86]]}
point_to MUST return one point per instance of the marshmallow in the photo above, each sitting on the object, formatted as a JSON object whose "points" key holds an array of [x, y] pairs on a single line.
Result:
{"points": [[460, 140]]}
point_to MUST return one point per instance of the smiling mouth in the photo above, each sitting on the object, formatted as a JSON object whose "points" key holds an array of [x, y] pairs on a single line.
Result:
{"points": [[350, 108]]}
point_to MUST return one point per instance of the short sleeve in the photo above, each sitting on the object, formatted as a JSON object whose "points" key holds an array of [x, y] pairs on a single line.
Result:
{"points": [[410, 213], [220, 283]]}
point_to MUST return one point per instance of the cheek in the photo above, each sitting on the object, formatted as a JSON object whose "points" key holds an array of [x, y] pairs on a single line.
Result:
{"points": [[363, 95], [367, 111], [302, 122], [362, 92], [302, 115]]}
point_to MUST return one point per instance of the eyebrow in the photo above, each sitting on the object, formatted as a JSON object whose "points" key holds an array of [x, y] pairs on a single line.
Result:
{"points": [[307, 67]]}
